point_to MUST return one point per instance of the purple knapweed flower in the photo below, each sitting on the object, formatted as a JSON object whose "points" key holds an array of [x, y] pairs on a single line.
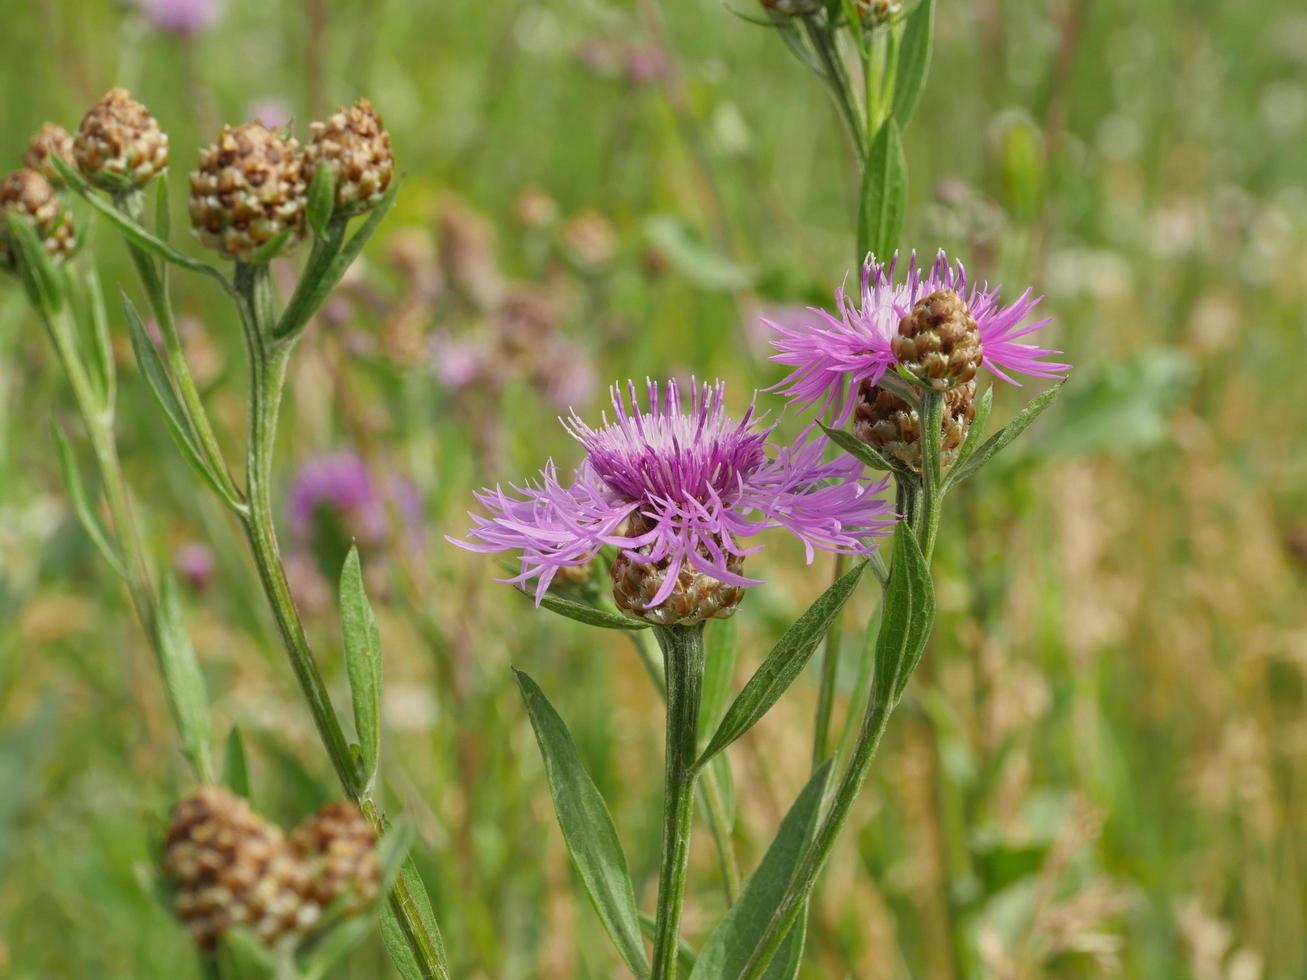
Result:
{"points": [[677, 489], [831, 356], [340, 485], [184, 17]]}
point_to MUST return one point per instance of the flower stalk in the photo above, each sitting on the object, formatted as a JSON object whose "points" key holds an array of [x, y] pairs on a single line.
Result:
{"points": [[683, 669]]}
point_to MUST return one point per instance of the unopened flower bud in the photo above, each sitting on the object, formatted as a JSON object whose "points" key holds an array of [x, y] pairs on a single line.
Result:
{"points": [[339, 851], [29, 195], [697, 597], [891, 426], [356, 146], [249, 188], [939, 342], [119, 145], [50, 140], [231, 867]]}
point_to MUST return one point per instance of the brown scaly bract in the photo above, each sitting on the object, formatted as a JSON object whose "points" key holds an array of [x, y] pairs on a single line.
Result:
{"points": [[355, 145], [247, 191], [28, 194], [891, 426], [696, 598], [939, 342], [119, 145]]}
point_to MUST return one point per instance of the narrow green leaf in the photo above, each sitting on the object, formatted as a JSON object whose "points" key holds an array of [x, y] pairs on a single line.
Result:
{"points": [[392, 850], [587, 828], [718, 674], [322, 199], [906, 617], [184, 682], [35, 267], [85, 512], [884, 198], [270, 249], [914, 61], [394, 932], [129, 228], [728, 947], [235, 764], [583, 613], [859, 450], [785, 662], [363, 663], [179, 426], [1000, 439]]}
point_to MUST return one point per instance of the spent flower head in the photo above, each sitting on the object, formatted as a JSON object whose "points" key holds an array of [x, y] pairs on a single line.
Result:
{"points": [[677, 488], [119, 146], [50, 140], [355, 146], [30, 196], [927, 325]]}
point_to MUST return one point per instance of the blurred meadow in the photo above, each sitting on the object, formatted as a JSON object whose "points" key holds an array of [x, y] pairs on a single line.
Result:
{"points": [[1101, 768]]}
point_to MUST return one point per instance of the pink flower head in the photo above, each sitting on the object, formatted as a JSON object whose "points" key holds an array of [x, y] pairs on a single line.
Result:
{"points": [[832, 354], [184, 17], [699, 480]]}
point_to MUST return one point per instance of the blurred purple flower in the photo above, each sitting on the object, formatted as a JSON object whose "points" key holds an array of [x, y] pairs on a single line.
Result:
{"points": [[698, 480], [183, 17], [195, 563], [339, 486], [456, 361], [646, 63], [832, 354], [275, 113]]}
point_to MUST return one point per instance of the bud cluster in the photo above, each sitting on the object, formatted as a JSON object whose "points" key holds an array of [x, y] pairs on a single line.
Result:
{"points": [[697, 597], [29, 195], [232, 867], [354, 144], [50, 140], [892, 427]]}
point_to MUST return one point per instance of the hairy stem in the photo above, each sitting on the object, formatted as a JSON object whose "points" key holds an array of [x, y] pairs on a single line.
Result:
{"points": [[683, 669]]}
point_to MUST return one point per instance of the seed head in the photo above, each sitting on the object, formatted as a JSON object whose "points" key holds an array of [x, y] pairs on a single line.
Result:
{"points": [[892, 427], [338, 850], [232, 867], [119, 145], [249, 188], [50, 139], [695, 597], [356, 146], [27, 193], [939, 342]]}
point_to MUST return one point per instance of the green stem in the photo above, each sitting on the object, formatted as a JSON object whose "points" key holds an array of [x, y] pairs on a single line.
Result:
{"points": [[268, 361], [715, 811], [683, 669], [931, 414], [838, 80]]}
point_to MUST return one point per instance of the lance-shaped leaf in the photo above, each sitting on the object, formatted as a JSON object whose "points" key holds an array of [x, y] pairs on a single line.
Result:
{"points": [[585, 613], [884, 196], [242, 956], [906, 618], [322, 199], [785, 662], [587, 828], [102, 364], [235, 765], [727, 949], [865, 454], [363, 663], [184, 682], [408, 913], [41, 280], [179, 426], [1000, 439], [914, 61], [85, 512]]}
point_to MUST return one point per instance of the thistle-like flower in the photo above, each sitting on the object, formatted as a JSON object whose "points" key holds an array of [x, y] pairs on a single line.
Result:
{"points": [[248, 190], [926, 325], [676, 489], [119, 145], [50, 140], [355, 145], [29, 195]]}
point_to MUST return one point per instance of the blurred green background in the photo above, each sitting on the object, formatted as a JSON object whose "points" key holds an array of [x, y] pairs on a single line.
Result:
{"points": [[1101, 769]]}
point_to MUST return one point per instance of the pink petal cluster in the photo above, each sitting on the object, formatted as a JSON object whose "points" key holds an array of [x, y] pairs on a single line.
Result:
{"points": [[701, 482], [833, 353]]}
